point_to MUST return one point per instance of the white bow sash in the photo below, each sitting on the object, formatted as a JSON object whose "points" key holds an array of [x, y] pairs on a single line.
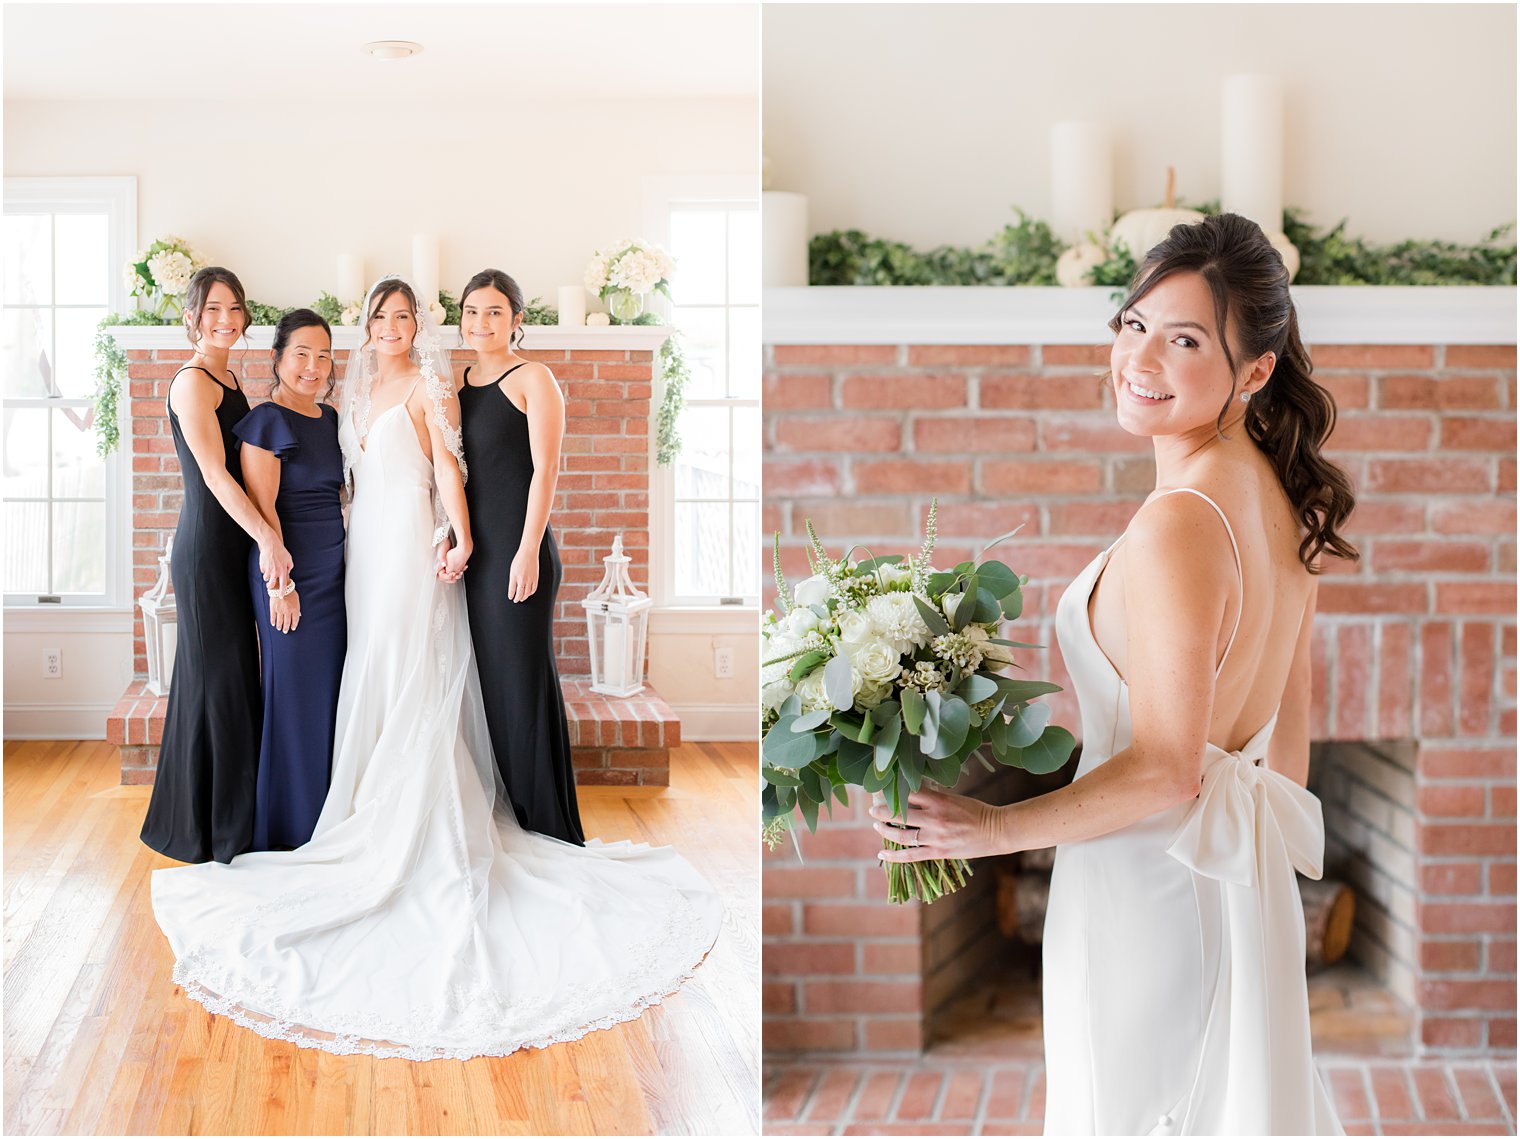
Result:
{"points": [[1248, 830]]}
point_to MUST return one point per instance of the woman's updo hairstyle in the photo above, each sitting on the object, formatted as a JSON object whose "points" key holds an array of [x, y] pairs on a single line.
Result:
{"points": [[195, 299], [292, 322], [496, 279], [1291, 417]]}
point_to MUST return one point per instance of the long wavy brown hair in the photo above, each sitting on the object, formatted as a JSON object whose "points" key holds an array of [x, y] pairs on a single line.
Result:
{"points": [[1291, 417]]}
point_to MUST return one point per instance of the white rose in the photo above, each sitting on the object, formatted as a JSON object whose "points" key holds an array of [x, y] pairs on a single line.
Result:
{"points": [[855, 627], [895, 575], [810, 689], [811, 591], [949, 602], [801, 621], [877, 661]]}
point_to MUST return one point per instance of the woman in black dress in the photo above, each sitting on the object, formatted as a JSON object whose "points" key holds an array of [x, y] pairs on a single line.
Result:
{"points": [[513, 419], [293, 468], [203, 793]]}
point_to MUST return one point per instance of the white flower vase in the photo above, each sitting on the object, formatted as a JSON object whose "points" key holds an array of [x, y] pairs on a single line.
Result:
{"points": [[625, 305]]}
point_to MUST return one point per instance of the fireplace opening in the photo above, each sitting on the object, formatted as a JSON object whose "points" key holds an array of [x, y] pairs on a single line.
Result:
{"points": [[982, 945]]}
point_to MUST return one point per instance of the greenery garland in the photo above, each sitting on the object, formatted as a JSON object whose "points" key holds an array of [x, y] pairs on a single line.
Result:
{"points": [[674, 375], [111, 364], [1025, 253]]}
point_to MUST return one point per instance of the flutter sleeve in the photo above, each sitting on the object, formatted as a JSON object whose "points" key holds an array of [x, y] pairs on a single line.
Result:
{"points": [[267, 428]]}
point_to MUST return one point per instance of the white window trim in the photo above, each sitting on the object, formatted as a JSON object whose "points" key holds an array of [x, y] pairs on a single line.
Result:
{"points": [[658, 193], [116, 196]]}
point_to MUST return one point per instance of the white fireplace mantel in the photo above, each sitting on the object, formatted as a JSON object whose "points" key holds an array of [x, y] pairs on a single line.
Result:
{"points": [[536, 337], [1022, 315]]}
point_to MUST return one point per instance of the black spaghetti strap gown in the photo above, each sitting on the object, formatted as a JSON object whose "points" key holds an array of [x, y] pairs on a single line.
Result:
{"points": [[203, 793], [514, 640]]}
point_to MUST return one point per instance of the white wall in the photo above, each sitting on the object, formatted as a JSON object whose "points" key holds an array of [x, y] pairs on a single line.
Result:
{"points": [[276, 192], [927, 123]]}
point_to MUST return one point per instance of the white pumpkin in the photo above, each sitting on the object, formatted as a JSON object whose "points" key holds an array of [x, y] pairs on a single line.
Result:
{"points": [[1288, 250], [1140, 231], [1073, 266]]}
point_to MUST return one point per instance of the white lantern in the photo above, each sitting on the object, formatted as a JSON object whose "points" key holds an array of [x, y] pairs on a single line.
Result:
{"points": [[160, 625], [617, 622]]}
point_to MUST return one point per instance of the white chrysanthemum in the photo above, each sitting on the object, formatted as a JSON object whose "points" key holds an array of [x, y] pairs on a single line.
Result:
{"points": [[897, 620], [171, 272]]}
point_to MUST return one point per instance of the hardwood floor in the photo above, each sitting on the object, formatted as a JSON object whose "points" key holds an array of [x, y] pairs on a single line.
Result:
{"points": [[99, 1041]]}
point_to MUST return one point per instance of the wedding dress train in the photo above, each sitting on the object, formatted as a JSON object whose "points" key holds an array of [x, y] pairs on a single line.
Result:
{"points": [[1175, 1001], [416, 922]]}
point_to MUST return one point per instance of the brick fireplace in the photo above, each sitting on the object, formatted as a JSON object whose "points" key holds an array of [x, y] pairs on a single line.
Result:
{"points": [[1414, 649], [607, 376]]}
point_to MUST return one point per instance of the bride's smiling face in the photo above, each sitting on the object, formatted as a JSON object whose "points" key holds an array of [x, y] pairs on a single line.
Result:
{"points": [[487, 321], [393, 326], [1169, 370]]}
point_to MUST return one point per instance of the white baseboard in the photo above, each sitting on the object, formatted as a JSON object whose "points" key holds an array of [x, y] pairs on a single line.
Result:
{"points": [[56, 721], [718, 723]]}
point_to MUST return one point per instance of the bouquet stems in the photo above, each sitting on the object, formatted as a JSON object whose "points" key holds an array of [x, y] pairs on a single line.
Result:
{"points": [[925, 881]]}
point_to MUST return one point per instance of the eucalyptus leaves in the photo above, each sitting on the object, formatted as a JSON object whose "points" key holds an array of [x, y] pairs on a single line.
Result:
{"points": [[881, 673]]}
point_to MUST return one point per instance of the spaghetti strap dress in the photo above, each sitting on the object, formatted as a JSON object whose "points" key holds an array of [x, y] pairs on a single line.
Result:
{"points": [[514, 640], [203, 791], [1175, 1001]]}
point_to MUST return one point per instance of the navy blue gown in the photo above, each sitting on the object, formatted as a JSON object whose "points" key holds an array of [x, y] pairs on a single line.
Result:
{"points": [[302, 668]]}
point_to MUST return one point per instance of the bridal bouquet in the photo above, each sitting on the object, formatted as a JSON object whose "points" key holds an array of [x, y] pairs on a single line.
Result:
{"points": [[883, 672], [163, 270]]}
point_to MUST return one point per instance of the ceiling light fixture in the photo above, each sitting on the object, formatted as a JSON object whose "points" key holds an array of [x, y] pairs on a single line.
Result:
{"points": [[391, 49]]}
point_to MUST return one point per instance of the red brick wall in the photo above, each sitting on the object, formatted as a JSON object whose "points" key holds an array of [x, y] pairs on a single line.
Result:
{"points": [[603, 483], [1417, 641]]}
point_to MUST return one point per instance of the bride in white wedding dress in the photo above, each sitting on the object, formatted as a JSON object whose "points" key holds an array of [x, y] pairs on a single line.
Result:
{"points": [[1175, 1001], [419, 922]]}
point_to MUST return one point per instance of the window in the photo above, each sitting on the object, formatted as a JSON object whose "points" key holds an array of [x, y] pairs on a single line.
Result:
{"points": [[64, 242], [707, 514]]}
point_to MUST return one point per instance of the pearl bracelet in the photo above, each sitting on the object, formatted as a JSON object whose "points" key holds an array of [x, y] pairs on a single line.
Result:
{"points": [[290, 587]]}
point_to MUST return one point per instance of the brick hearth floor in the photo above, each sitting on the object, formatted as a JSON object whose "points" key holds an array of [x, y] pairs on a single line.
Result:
{"points": [[960, 1097]]}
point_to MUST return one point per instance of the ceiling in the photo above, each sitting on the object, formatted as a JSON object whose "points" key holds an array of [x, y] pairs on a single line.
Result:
{"points": [[478, 54]]}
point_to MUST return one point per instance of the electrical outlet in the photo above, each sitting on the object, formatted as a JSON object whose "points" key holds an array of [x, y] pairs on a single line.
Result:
{"points": [[52, 664], [723, 662]]}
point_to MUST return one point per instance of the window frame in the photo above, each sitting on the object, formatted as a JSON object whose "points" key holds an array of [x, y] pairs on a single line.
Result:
{"points": [[116, 197], [660, 196]]}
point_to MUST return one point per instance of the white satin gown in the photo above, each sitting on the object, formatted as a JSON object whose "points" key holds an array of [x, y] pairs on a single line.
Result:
{"points": [[1175, 1001], [415, 923]]}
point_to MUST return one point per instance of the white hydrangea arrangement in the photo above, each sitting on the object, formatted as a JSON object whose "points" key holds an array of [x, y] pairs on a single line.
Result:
{"points": [[631, 268], [161, 273], [883, 672]]}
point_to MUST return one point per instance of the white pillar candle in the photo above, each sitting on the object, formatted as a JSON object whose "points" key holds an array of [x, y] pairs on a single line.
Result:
{"points": [[350, 278], [425, 268], [572, 305], [784, 239], [1251, 150], [615, 658], [1081, 180]]}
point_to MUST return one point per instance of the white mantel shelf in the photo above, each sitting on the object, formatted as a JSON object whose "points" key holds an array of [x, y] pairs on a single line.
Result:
{"points": [[536, 337], [1022, 315]]}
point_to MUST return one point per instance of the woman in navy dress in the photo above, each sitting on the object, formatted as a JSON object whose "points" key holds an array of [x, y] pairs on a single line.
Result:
{"points": [[202, 805], [294, 468], [513, 418]]}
